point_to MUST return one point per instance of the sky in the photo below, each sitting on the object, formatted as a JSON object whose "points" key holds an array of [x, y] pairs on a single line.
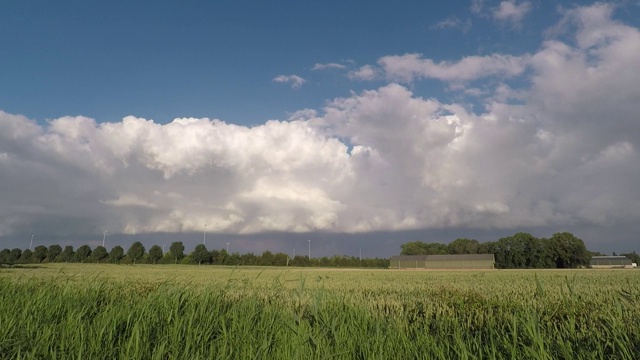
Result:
{"points": [[332, 127]]}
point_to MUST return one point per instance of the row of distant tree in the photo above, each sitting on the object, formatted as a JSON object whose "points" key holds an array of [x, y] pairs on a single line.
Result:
{"points": [[519, 251], [137, 254]]}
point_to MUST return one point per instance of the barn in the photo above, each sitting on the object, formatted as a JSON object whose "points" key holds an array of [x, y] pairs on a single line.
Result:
{"points": [[463, 261], [610, 262]]}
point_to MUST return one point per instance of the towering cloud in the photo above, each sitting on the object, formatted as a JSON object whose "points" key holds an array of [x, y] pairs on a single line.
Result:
{"points": [[561, 150]]}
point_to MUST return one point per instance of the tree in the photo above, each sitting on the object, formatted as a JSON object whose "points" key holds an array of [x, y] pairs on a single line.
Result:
{"points": [[116, 254], [422, 248], [39, 253], [507, 253], [26, 256], [99, 254], [249, 259], [523, 250], [633, 256], [280, 259], [67, 254], [487, 247], [155, 254], [548, 257], [266, 259], [222, 258], [14, 256], [83, 253], [201, 255], [568, 251], [166, 259], [323, 261], [215, 256], [535, 253], [177, 250], [4, 256], [412, 248], [299, 260], [463, 246], [136, 251], [187, 260], [53, 251]]}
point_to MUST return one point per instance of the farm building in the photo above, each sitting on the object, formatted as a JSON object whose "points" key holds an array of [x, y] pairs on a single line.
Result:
{"points": [[608, 262], [466, 261]]}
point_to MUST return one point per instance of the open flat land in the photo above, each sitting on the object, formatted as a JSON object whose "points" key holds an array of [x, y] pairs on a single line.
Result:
{"points": [[181, 311]]}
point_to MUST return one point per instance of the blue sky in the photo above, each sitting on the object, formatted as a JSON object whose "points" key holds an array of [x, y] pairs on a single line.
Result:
{"points": [[166, 59], [394, 121]]}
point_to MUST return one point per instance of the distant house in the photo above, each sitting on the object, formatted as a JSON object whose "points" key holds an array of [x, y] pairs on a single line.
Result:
{"points": [[610, 262], [465, 261]]}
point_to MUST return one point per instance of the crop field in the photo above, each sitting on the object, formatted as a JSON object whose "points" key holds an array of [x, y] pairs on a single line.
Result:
{"points": [[100, 311]]}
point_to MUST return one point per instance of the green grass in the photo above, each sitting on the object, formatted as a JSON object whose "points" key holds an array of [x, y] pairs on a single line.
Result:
{"points": [[94, 311]]}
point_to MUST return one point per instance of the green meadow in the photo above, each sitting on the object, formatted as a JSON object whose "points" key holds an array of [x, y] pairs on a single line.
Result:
{"points": [[104, 311]]}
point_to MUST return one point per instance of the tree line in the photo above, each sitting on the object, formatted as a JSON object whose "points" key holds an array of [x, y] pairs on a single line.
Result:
{"points": [[137, 254], [518, 251]]}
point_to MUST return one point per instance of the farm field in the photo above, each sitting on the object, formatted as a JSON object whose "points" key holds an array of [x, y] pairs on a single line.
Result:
{"points": [[102, 311]]}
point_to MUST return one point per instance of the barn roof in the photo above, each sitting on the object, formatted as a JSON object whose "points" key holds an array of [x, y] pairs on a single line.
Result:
{"points": [[609, 257], [456, 257], [603, 260], [409, 257]]}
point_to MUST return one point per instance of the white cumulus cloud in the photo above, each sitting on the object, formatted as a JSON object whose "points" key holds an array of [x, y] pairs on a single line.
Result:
{"points": [[512, 11], [319, 66], [295, 80], [366, 72], [410, 67]]}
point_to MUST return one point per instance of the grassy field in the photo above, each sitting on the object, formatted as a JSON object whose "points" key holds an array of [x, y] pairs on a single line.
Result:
{"points": [[63, 311]]}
